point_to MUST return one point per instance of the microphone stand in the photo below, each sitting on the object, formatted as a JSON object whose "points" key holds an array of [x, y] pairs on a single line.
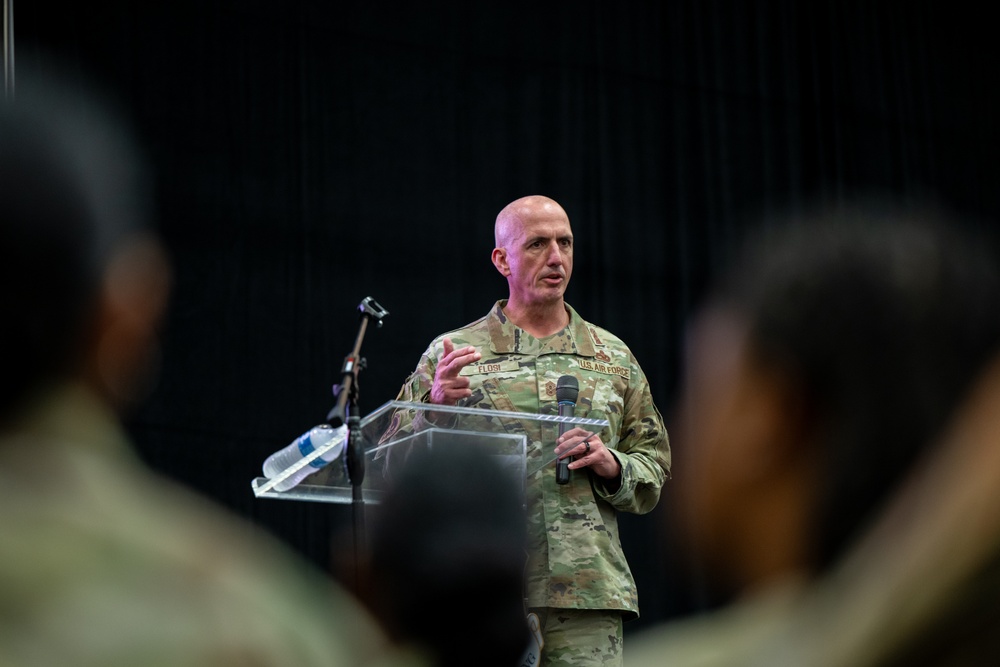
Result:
{"points": [[346, 411]]}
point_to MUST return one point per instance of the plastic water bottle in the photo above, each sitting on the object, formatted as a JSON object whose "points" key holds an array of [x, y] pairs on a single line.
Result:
{"points": [[303, 446]]}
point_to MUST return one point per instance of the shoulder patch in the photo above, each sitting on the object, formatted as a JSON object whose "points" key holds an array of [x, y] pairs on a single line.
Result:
{"points": [[394, 425]]}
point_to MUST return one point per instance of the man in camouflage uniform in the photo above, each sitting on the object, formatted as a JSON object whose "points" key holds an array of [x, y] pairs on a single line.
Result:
{"points": [[578, 581]]}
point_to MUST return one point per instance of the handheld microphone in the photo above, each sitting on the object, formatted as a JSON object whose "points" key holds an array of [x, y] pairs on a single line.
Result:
{"points": [[567, 389]]}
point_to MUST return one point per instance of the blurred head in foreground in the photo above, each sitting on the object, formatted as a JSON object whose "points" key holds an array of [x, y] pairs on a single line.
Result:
{"points": [[102, 561], [82, 283], [818, 371], [448, 551]]}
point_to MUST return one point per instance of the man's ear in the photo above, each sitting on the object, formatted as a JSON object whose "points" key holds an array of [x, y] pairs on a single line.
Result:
{"points": [[499, 258], [123, 357]]}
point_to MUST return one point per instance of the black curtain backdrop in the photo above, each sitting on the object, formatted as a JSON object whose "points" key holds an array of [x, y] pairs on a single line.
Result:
{"points": [[308, 154]]}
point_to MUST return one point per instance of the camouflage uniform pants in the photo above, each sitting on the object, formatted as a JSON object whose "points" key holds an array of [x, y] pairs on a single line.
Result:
{"points": [[580, 637]]}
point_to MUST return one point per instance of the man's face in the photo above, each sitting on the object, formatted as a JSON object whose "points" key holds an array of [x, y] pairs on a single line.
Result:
{"points": [[537, 255]]}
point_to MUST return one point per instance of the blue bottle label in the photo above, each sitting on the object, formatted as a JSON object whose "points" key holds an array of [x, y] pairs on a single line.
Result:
{"points": [[306, 448]]}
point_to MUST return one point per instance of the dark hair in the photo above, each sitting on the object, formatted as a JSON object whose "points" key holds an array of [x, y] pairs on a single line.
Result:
{"points": [[69, 192], [884, 318], [448, 552]]}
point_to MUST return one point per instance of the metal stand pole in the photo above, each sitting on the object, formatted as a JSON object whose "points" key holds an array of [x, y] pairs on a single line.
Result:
{"points": [[8, 49], [347, 394]]}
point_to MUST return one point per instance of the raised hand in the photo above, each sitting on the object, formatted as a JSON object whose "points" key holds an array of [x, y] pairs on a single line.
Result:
{"points": [[449, 387]]}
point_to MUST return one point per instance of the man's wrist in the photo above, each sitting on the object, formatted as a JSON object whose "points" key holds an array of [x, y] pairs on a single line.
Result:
{"points": [[612, 484]]}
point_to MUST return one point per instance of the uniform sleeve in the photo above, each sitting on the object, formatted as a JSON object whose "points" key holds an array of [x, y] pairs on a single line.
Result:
{"points": [[643, 450], [416, 389]]}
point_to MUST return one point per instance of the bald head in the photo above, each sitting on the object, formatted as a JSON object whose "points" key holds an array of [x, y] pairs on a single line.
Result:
{"points": [[534, 252], [515, 214]]}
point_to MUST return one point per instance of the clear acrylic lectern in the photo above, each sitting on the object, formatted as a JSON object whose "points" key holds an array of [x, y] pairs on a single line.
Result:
{"points": [[397, 429]]}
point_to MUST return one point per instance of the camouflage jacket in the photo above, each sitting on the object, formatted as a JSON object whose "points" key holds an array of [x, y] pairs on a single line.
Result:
{"points": [[575, 554]]}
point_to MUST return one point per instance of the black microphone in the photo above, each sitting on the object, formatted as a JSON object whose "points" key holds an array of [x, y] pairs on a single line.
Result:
{"points": [[567, 389]]}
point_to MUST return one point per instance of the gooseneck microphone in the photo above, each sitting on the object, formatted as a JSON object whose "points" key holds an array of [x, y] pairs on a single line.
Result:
{"points": [[567, 389]]}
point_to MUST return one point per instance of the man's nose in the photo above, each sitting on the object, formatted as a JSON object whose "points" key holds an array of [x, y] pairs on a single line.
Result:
{"points": [[555, 254]]}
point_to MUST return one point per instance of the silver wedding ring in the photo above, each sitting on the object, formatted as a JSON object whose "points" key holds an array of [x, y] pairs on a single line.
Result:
{"points": [[586, 443]]}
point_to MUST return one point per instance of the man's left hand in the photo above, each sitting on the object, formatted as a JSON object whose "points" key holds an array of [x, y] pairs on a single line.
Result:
{"points": [[589, 451]]}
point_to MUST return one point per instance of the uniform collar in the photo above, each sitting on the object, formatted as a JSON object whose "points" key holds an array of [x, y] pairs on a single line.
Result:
{"points": [[507, 338]]}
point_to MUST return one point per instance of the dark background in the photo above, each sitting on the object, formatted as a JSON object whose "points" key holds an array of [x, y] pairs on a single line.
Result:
{"points": [[308, 154]]}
